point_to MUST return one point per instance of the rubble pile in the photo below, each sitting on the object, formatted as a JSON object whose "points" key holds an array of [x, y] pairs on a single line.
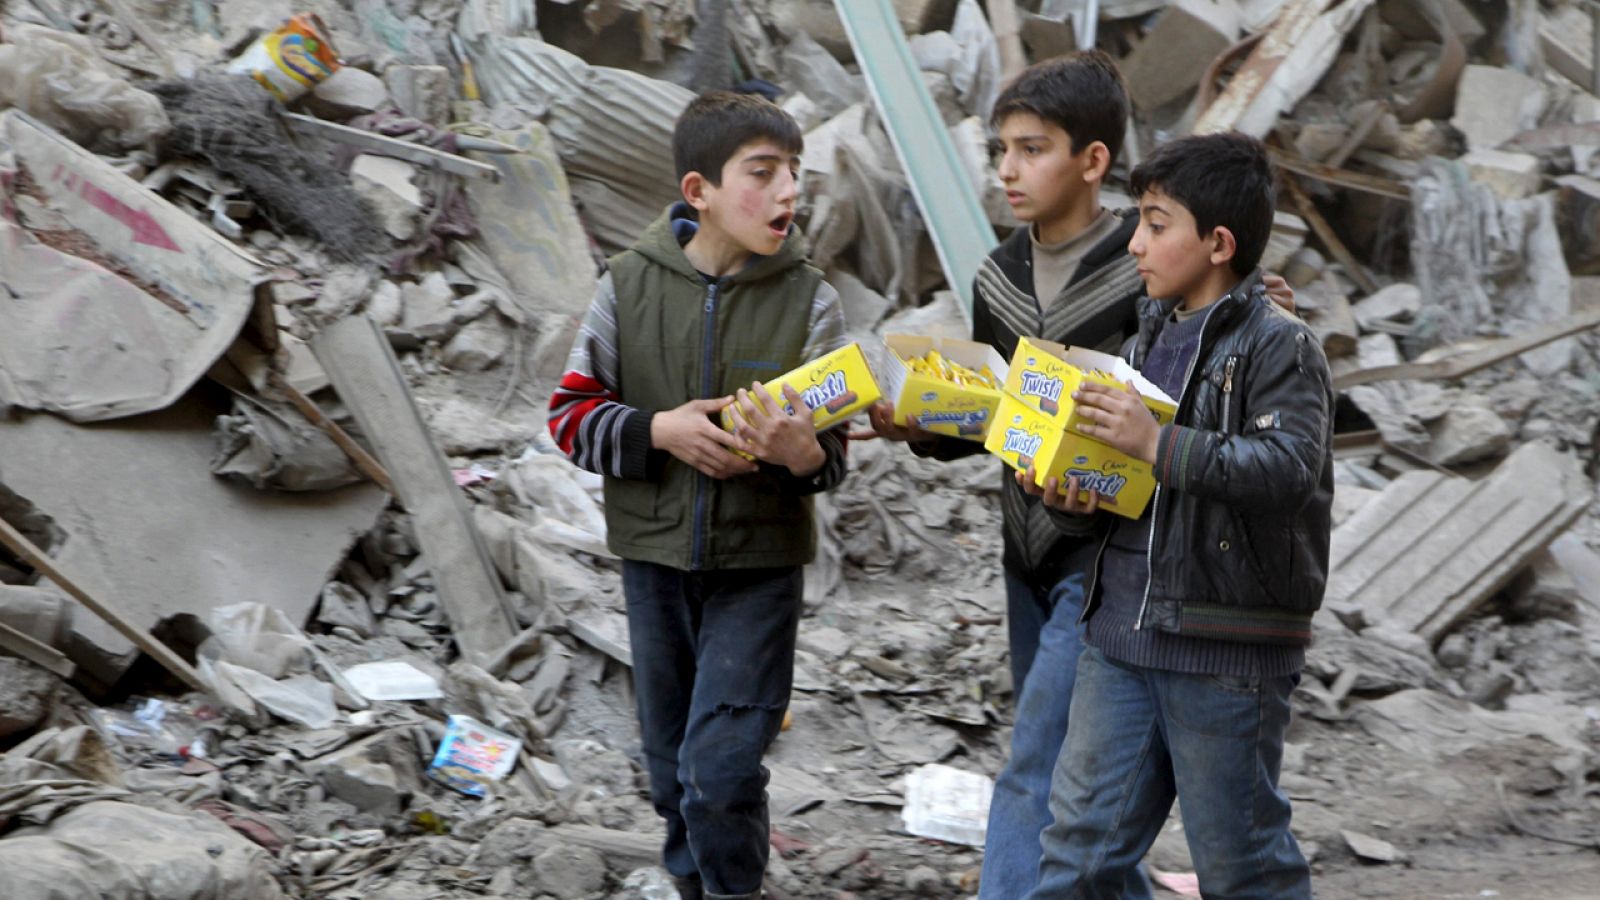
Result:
{"points": [[275, 359]]}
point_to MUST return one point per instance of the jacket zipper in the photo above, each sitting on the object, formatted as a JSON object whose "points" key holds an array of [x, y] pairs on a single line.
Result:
{"points": [[1155, 502], [707, 372], [1227, 389]]}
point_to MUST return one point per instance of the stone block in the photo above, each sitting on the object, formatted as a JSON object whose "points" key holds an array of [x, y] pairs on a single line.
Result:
{"points": [[1494, 105], [1175, 53]]}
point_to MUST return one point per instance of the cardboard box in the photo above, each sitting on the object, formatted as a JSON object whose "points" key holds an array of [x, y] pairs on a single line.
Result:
{"points": [[937, 405], [1037, 423], [836, 387], [1044, 375]]}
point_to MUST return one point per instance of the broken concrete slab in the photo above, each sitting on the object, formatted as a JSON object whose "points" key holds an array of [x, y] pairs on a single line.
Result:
{"points": [[369, 381], [277, 548], [1432, 548], [1174, 54], [1495, 104], [87, 343], [30, 694]]}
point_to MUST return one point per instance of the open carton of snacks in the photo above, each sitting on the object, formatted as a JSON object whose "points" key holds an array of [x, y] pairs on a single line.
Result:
{"points": [[952, 399], [836, 387], [1037, 423]]}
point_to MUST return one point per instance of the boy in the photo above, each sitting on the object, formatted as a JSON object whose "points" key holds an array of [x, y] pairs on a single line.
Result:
{"points": [[715, 297], [1066, 277], [1199, 612]]}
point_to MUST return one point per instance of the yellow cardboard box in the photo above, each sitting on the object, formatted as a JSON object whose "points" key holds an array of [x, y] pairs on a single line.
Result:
{"points": [[835, 386], [936, 405], [1036, 424]]}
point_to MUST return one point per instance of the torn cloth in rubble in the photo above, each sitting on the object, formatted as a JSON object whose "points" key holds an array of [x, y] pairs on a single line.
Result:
{"points": [[274, 447]]}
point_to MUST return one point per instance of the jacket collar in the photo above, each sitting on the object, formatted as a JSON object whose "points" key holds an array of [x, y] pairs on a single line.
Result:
{"points": [[662, 243]]}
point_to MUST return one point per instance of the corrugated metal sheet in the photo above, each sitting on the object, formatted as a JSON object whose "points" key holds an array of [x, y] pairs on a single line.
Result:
{"points": [[613, 127]]}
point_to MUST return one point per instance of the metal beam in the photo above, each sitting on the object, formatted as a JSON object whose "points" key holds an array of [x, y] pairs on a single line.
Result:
{"points": [[944, 191]]}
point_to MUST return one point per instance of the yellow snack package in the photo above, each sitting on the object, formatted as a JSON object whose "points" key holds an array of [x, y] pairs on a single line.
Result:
{"points": [[1037, 424], [1044, 375], [945, 385], [835, 386]]}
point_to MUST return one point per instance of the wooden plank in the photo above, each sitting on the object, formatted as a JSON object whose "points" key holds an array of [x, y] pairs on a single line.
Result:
{"points": [[35, 651], [1256, 76], [1471, 361], [624, 849], [1330, 238], [1356, 181], [161, 653], [364, 371], [358, 455]]}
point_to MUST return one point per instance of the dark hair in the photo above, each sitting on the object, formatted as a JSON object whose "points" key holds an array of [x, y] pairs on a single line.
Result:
{"points": [[717, 123], [1222, 179], [1081, 92]]}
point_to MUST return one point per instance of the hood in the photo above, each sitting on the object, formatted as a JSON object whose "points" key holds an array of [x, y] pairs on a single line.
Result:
{"points": [[662, 243]]}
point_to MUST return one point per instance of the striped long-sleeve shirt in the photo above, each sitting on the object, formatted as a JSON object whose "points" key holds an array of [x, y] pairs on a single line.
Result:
{"points": [[602, 434]]}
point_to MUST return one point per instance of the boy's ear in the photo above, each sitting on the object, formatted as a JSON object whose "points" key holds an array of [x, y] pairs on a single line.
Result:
{"points": [[1099, 159], [1222, 246], [694, 187]]}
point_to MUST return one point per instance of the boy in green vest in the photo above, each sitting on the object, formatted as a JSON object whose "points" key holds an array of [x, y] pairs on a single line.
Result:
{"points": [[713, 299]]}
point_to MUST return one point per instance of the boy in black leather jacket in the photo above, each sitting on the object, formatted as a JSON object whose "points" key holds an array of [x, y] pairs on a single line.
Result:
{"points": [[1198, 613]]}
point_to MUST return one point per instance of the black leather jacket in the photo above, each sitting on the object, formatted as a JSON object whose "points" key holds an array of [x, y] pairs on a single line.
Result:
{"points": [[1242, 511]]}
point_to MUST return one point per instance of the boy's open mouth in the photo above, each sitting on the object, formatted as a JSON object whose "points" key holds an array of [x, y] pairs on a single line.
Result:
{"points": [[780, 225]]}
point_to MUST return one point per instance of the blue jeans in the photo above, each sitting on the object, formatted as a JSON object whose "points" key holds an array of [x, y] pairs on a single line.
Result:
{"points": [[1020, 809], [1140, 738], [713, 661]]}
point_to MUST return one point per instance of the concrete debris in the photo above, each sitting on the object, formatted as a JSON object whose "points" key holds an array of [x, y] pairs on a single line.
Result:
{"points": [[348, 92], [184, 255], [1175, 52]]}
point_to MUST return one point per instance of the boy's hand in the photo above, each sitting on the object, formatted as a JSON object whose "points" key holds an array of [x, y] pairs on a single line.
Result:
{"points": [[881, 415], [1118, 418], [1066, 501], [784, 439], [690, 436], [1279, 290]]}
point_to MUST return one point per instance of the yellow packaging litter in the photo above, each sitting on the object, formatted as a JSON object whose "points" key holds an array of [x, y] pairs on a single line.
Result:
{"points": [[836, 387], [925, 393], [292, 59], [1037, 424]]}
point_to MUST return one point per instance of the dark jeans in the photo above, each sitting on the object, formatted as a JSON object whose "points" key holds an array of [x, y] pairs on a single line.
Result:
{"points": [[1141, 737], [1048, 651], [713, 661]]}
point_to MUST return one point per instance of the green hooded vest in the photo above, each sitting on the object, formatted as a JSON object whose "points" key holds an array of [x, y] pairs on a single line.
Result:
{"points": [[680, 339]]}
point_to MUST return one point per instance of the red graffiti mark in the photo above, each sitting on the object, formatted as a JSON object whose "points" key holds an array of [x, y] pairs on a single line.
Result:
{"points": [[146, 230]]}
